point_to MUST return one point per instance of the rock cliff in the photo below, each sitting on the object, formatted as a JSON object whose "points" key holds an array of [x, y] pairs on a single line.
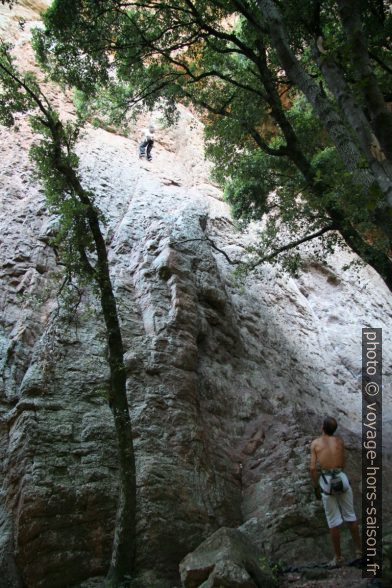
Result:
{"points": [[227, 382]]}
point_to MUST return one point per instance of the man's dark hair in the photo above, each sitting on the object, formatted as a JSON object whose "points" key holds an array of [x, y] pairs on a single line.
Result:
{"points": [[329, 425]]}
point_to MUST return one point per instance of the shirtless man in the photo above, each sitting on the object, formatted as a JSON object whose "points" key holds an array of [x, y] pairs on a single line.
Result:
{"points": [[328, 451]]}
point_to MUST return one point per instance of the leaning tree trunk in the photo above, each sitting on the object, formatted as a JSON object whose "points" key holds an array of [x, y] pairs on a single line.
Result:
{"points": [[123, 553], [124, 543]]}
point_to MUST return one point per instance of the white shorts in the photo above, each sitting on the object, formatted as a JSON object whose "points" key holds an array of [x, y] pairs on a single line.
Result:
{"points": [[338, 508]]}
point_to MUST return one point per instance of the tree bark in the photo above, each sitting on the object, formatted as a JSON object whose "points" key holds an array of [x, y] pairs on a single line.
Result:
{"points": [[124, 544], [339, 134], [380, 116], [381, 168]]}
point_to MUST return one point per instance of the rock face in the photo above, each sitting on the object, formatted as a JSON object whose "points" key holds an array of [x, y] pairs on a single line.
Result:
{"points": [[228, 383]]}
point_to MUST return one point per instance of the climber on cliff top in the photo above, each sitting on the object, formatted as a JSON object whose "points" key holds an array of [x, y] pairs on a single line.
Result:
{"points": [[333, 487], [147, 142]]}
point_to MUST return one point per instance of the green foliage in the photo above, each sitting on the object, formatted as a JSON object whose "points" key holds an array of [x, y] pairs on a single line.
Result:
{"points": [[54, 150], [73, 235], [74, 65], [219, 58], [106, 108], [272, 568], [247, 198], [13, 97]]}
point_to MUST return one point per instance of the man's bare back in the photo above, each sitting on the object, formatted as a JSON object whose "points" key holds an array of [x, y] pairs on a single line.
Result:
{"points": [[328, 451]]}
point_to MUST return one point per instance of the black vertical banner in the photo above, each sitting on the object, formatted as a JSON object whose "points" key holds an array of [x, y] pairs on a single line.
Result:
{"points": [[372, 452]]}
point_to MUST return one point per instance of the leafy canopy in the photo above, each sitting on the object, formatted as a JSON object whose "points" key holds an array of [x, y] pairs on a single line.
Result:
{"points": [[272, 153]]}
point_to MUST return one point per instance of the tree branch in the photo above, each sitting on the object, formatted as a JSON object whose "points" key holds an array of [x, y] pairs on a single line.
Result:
{"points": [[293, 244], [28, 90], [380, 62], [282, 151], [270, 256], [213, 245]]}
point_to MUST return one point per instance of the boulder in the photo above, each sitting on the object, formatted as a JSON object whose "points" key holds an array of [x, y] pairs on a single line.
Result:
{"points": [[226, 558]]}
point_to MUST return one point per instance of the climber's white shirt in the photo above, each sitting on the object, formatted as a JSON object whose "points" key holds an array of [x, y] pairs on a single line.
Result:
{"points": [[147, 135]]}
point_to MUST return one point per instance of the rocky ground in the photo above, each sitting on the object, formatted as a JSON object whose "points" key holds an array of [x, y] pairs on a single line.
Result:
{"points": [[318, 577]]}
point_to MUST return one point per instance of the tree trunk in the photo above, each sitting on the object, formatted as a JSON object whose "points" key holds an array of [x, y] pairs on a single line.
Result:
{"points": [[379, 114], [380, 166], [124, 543], [370, 255], [123, 553], [343, 141]]}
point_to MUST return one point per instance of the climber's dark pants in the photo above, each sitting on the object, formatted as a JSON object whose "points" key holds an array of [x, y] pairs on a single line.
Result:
{"points": [[142, 148]]}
